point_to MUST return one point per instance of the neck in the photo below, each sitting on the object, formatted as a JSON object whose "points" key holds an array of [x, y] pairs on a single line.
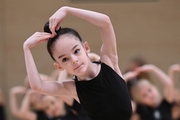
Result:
{"points": [[91, 72]]}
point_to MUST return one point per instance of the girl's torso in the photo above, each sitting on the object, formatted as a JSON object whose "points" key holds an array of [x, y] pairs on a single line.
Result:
{"points": [[105, 96], [162, 112]]}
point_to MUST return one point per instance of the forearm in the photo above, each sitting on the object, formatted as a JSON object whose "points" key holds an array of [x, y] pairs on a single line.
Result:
{"points": [[15, 110], [173, 69], [32, 72], [98, 19], [44, 87], [167, 82], [130, 75], [162, 77], [25, 106]]}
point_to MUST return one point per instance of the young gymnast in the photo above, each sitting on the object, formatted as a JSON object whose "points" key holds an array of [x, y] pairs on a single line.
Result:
{"points": [[147, 100], [51, 107], [99, 87], [31, 104], [69, 101], [30, 107]]}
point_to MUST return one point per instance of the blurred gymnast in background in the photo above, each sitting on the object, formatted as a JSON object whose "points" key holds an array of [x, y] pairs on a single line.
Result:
{"points": [[148, 103], [2, 106], [36, 106]]}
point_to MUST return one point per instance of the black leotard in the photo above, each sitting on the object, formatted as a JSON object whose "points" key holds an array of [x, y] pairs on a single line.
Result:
{"points": [[105, 97], [162, 112], [41, 115], [2, 113], [81, 113]]}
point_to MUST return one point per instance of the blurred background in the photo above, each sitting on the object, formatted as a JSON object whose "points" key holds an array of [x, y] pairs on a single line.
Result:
{"points": [[147, 28]]}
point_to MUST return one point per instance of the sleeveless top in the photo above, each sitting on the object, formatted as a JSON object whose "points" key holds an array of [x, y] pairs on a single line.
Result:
{"points": [[81, 113], [43, 116], [105, 97], [162, 112], [2, 113]]}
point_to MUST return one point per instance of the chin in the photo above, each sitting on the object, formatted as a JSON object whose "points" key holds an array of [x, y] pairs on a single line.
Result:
{"points": [[81, 72]]}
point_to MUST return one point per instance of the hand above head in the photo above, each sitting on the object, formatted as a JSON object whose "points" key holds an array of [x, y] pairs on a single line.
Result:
{"points": [[131, 74], [35, 39], [175, 68], [56, 19], [146, 68]]}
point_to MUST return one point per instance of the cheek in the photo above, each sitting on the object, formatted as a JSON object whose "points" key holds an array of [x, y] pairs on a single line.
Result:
{"points": [[155, 92]]}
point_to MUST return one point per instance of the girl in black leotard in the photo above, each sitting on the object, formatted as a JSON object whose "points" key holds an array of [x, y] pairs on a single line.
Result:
{"points": [[51, 107], [72, 104], [149, 104], [99, 87]]}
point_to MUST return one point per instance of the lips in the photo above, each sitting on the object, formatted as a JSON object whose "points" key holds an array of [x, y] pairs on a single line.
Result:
{"points": [[77, 67]]}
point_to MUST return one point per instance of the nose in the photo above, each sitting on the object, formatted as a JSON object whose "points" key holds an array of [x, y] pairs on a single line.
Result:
{"points": [[74, 59]]}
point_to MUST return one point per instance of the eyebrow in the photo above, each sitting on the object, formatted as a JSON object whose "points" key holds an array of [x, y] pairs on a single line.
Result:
{"points": [[64, 54]]}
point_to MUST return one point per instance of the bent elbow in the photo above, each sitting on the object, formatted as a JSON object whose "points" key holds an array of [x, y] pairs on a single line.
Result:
{"points": [[35, 87], [106, 21]]}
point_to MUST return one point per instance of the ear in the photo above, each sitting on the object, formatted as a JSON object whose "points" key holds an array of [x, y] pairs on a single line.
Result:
{"points": [[86, 46], [56, 65]]}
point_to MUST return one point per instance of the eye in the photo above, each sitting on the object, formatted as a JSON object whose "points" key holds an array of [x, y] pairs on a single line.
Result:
{"points": [[64, 59], [76, 51]]}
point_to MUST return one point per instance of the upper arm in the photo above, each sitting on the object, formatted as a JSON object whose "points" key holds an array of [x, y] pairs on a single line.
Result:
{"points": [[108, 52], [172, 70], [53, 88], [167, 82], [93, 56]]}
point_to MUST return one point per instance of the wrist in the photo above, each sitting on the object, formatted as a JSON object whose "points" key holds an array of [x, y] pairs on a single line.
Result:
{"points": [[65, 9]]}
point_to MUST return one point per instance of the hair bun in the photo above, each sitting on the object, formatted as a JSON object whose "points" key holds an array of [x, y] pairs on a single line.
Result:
{"points": [[46, 28]]}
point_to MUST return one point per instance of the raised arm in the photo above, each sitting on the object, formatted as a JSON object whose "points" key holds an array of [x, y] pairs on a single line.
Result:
{"points": [[173, 69], [25, 107], [45, 87], [108, 51], [131, 74], [163, 78], [93, 56], [15, 109]]}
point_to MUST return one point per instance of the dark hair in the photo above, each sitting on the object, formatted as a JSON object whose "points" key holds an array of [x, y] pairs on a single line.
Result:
{"points": [[138, 60], [61, 31]]}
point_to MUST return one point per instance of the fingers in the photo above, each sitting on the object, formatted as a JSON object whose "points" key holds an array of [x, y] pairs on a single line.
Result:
{"points": [[42, 35], [52, 26], [58, 26]]}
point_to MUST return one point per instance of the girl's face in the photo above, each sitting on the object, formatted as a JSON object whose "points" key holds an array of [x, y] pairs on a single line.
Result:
{"points": [[71, 55], [147, 94], [53, 106]]}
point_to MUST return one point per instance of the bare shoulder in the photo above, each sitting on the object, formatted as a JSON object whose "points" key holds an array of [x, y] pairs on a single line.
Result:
{"points": [[113, 63], [70, 86]]}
